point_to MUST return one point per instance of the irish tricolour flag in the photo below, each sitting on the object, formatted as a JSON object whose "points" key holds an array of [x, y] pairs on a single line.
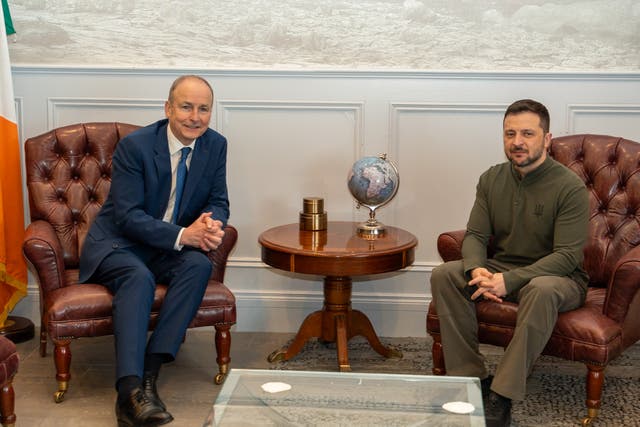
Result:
{"points": [[13, 270]]}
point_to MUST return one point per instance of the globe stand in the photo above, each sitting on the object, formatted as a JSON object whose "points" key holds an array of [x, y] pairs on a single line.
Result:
{"points": [[372, 228]]}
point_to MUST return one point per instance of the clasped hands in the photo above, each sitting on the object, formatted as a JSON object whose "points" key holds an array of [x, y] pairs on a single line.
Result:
{"points": [[490, 285], [205, 233]]}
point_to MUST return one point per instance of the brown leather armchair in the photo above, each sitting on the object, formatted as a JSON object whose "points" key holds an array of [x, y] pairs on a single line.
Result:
{"points": [[9, 362], [68, 180], [609, 321]]}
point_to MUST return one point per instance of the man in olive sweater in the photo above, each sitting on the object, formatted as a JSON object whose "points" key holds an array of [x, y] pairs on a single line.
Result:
{"points": [[536, 212]]}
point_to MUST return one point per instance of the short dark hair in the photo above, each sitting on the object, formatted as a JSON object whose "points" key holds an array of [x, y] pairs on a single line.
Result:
{"points": [[180, 79], [529, 105]]}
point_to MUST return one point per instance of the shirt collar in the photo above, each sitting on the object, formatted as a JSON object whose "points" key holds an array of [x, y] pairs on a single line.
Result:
{"points": [[536, 173], [174, 143]]}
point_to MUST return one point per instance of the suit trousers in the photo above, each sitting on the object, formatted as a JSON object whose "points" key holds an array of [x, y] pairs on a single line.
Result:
{"points": [[539, 303], [131, 275]]}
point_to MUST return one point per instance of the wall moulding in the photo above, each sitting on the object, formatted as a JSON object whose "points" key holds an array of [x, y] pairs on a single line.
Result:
{"points": [[64, 111], [602, 118], [319, 73]]}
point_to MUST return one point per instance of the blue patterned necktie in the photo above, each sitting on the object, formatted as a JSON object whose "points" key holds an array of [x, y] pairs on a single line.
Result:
{"points": [[181, 177]]}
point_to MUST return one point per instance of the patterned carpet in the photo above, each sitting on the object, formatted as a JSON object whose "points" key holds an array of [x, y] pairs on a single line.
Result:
{"points": [[555, 390]]}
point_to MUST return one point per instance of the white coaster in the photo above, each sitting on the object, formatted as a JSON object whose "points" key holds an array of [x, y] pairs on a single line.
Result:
{"points": [[275, 387], [459, 407]]}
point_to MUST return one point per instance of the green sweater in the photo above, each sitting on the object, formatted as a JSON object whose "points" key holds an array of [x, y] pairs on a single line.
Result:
{"points": [[538, 223]]}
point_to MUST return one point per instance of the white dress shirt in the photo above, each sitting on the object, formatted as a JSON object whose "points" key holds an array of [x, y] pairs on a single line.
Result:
{"points": [[174, 151]]}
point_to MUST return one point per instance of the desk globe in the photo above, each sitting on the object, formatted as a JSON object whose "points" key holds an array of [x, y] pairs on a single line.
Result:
{"points": [[373, 182]]}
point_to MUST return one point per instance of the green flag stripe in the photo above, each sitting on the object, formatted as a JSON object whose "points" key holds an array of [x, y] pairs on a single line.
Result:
{"points": [[8, 23]]}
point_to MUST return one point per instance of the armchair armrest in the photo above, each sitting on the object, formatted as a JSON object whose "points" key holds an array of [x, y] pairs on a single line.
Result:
{"points": [[219, 256], [43, 251], [450, 245], [622, 303]]}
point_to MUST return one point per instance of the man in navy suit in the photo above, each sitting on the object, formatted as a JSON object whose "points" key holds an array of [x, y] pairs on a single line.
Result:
{"points": [[153, 229]]}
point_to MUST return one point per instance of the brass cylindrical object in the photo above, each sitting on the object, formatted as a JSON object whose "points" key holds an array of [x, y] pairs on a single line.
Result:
{"points": [[313, 205], [314, 240], [313, 222], [313, 216]]}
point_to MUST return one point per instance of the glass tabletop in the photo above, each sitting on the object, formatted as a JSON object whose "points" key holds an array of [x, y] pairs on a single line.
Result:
{"points": [[251, 397]]}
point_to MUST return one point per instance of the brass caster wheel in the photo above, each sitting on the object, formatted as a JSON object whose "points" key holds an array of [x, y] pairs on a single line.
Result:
{"points": [[219, 379], [58, 396], [277, 355], [395, 354], [222, 374], [592, 413]]}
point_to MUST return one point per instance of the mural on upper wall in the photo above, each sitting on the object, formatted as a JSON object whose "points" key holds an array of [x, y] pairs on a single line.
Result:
{"points": [[465, 35]]}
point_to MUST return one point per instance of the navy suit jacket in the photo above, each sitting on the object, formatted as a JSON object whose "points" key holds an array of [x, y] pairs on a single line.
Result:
{"points": [[139, 194]]}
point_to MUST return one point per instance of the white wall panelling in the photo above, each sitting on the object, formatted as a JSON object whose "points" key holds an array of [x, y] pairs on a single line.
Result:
{"points": [[64, 111], [603, 118], [295, 134], [442, 149], [280, 152]]}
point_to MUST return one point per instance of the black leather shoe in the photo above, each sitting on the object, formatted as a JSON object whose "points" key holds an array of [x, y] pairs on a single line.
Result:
{"points": [[138, 410], [149, 387], [485, 386], [497, 412]]}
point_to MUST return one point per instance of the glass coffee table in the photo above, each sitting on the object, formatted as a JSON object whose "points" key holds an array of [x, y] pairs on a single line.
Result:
{"points": [[252, 397]]}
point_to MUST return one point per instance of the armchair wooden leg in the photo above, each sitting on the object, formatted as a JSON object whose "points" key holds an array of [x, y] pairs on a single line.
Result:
{"points": [[62, 360], [223, 349], [595, 379], [7, 404], [43, 340], [437, 355]]}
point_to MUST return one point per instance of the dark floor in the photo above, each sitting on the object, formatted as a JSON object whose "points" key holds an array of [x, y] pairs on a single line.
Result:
{"points": [[186, 385]]}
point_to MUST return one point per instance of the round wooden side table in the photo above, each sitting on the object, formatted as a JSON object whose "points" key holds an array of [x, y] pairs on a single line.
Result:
{"points": [[337, 253]]}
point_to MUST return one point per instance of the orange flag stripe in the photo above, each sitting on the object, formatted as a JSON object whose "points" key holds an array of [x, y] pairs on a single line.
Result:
{"points": [[13, 269]]}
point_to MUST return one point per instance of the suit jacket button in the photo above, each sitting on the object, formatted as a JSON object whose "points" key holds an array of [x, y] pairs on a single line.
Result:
{"points": [[115, 245]]}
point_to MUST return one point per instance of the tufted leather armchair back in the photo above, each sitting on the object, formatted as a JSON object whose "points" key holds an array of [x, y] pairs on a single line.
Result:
{"points": [[610, 167], [68, 179]]}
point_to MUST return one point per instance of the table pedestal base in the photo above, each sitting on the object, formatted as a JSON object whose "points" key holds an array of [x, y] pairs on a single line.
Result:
{"points": [[336, 322]]}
